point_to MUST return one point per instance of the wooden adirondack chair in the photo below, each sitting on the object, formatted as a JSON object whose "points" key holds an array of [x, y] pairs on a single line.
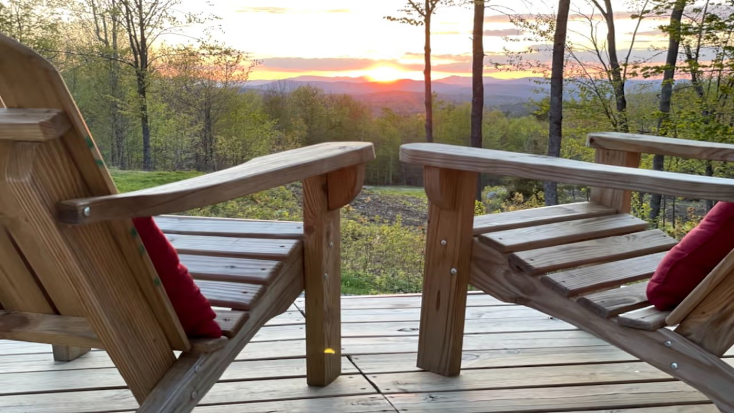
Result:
{"points": [[74, 273], [584, 263]]}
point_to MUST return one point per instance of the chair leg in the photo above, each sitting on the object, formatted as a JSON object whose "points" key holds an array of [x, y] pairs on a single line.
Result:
{"points": [[68, 353], [322, 272], [447, 266]]}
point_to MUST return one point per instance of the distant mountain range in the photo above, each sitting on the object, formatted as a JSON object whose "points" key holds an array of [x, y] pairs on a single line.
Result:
{"points": [[406, 96]]}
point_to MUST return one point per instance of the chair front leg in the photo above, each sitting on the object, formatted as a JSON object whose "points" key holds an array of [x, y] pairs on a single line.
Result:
{"points": [[447, 265], [323, 196]]}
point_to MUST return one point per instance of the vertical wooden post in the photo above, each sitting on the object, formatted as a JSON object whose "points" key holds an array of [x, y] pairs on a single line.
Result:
{"points": [[323, 196], [448, 261], [619, 199]]}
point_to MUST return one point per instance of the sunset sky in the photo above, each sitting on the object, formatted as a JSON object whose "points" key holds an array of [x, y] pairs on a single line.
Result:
{"points": [[351, 38]]}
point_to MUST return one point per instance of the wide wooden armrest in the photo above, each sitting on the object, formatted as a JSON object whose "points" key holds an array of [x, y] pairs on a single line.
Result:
{"points": [[547, 168], [256, 175], [658, 145]]}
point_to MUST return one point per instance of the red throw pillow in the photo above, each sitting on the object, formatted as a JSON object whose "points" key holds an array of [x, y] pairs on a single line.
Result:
{"points": [[192, 308], [689, 262]]}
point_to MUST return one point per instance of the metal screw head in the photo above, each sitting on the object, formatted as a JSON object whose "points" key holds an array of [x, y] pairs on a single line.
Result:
{"points": [[197, 369], [326, 275], [668, 343], [87, 211], [194, 394], [443, 242], [453, 271], [674, 366], [331, 245]]}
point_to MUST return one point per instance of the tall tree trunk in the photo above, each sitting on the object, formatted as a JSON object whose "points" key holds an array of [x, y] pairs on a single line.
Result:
{"points": [[616, 69], [666, 94], [427, 74], [477, 101], [144, 119], [555, 129]]}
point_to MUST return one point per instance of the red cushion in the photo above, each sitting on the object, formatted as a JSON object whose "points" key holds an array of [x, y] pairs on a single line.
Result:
{"points": [[192, 308], [689, 262]]}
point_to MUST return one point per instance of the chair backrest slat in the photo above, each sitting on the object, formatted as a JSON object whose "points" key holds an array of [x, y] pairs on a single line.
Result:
{"points": [[19, 290], [104, 267]]}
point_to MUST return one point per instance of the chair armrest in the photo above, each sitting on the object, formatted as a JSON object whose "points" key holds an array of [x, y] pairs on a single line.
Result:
{"points": [[547, 168], [658, 145], [256, 175]]}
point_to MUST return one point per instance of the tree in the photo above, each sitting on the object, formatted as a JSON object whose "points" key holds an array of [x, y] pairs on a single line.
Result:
{"points": [[35, 23], [145, 21], [555, 116], [666, 92], [417, 13], [477, 101], [204, 83]]}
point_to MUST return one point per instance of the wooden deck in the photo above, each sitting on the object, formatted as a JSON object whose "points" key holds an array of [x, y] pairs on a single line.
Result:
{"points": [[515, 360]]}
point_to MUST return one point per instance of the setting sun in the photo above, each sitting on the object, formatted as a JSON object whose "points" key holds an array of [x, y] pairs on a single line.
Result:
{"points": [[385, 74]]}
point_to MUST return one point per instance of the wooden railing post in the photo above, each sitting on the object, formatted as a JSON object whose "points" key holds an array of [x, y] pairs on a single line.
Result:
{"points": [[448, 261], [619, 199], [323, 196]]}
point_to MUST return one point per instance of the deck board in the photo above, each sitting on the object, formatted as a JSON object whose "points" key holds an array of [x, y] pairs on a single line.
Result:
{"points": [[515, 360]]}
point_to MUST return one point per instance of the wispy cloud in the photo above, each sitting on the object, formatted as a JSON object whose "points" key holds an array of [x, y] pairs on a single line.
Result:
{"points": [[502, 32], [283, 10]]}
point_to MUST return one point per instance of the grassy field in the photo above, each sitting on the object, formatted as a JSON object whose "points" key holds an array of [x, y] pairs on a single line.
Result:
{"points": [[382, 230]]}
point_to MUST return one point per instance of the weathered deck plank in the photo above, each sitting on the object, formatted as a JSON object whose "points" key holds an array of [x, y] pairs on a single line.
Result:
{"points": [[515, 359]]}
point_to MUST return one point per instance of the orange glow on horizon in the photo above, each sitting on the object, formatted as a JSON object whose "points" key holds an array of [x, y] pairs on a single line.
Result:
{"points": [[385, 74]]}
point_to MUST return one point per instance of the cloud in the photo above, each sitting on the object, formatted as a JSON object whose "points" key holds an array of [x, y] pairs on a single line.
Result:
{"points": [[446, 33], [298, 64], [269, 10], [650, 33], [502, 32], [505, 18], [283, 10]]}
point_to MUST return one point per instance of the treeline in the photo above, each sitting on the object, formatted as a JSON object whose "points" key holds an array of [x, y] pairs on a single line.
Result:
{"points": [[186, 107]]}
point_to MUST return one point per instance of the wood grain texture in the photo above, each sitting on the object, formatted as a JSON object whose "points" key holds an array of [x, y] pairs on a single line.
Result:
{"points": [[711, 323], [20, 249], [19, 290], [253, 248], [446, 274], [610, 303], [547, 168], [88, 261], [194, 374], [29, 81], [538, 216], [518, 377], [231, 321], [723, 271], [256, 175], [32, 125], [618, 199], [588, 252], [47, 328], [68, 353], [602, 276], [228, 227], [548, 235], [658, 145], [243, 270], [344, 185], [237, 296], [322, 268], [550, 399], [648, 318], [695, 366]]}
